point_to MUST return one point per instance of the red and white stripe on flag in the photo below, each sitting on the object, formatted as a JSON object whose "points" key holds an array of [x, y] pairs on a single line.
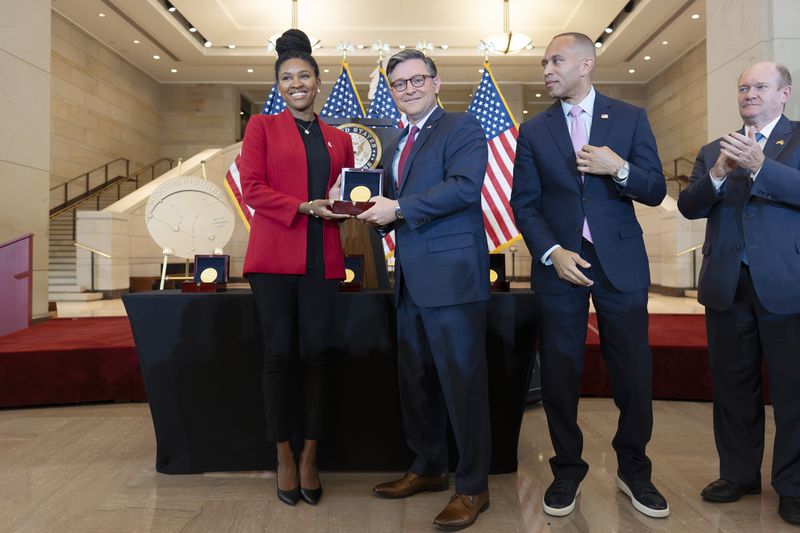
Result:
{"points": [[234, 186], [497, 216]]}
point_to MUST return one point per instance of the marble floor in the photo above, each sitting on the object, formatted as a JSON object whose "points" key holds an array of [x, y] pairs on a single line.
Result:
{"points": [[90, 469]]}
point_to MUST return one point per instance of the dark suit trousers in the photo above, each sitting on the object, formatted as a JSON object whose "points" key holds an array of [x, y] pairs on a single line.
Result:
{"points": [[622, 321], [737, 339], [442, 371], [296, 314]]}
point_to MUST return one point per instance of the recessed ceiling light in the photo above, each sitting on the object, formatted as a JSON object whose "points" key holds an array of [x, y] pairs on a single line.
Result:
{"points": [[101, 15], [445, 46], [401, 46], [609, 29], [326, 70], [173, 70], [192, 29], [156, 57], [361, 46], [631, 70], [695, 16], [172, 9], [136, 41], [665, 43], [241, 112], [524, 111], [480, 71], [538, 95], [250, 71], [529, 47], [207, 44], [647, 58], [598, 44], [231, 46]]}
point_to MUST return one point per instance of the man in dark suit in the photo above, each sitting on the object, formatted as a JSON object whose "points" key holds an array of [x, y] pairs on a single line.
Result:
{"points": [[434, 175], [747, 184], [579, 167]]}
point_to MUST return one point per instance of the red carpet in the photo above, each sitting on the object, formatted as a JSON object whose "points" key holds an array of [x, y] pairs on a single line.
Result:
{"points": [[680, 359], [94, 359], [70, 361]]}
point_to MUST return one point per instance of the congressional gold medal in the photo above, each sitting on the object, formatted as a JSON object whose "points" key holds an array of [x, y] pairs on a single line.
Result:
{"points": [[349, 275], [493, 275], [208, 275], [360, 194]]}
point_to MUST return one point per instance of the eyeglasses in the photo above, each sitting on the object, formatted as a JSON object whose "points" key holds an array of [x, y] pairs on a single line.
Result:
{"points": [[417, 81]]}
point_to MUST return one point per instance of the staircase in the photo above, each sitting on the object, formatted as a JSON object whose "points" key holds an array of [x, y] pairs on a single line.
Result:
{"points": [[62, 283]]}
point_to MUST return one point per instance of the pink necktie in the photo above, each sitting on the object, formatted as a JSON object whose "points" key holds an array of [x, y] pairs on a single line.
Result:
{"points": [[578, 135], [412, 135]]}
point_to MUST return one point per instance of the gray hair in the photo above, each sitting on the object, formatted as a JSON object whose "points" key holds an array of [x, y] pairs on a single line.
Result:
{"points": [[406, 55]]}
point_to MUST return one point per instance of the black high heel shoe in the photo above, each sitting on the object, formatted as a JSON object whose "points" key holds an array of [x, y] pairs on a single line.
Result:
{"points": [[289, 497], [311, 496]]}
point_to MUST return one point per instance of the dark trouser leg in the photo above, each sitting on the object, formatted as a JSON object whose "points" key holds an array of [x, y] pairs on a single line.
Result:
{"points": [[276, 302], [622, 323], [424, 412], [562, 338], [735, 359], [457, 339], [317, 302]]}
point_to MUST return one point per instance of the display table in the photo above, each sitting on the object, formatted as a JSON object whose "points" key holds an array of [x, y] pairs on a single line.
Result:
{"points": [[200, 357]]}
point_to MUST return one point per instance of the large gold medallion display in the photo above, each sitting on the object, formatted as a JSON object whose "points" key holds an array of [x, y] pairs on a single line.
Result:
{"points": [[366, 145]]}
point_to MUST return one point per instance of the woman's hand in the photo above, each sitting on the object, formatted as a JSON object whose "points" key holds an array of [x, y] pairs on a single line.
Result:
{"points": [[336, 192], [320, 209]]}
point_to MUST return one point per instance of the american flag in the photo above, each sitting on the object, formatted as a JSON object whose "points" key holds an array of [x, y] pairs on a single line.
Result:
{"points": [[273, 105], [343, 102], [489, 106], [383, 106]]}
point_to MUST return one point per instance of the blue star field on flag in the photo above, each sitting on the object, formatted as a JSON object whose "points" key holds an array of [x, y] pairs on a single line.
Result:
{"points": [[274, 103], [382, 105], [488, 107], [343, 102]]}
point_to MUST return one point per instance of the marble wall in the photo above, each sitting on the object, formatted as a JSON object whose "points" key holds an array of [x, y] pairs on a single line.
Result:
{"points": [[25, 100], [102, 106]]}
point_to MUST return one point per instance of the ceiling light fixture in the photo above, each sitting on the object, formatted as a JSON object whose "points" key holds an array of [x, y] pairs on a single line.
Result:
{"points": [[507, 42], [192, 29], [524, 111], [156, 57], [609, 29], [249, 71], [631, 70], [538, 95], [665, 43], [401, 46], [598, 44], [136, 41], [647, 58], [101, 15], [208, 44], [695, 16], [445, 46], [173, 70], [231, 46]]}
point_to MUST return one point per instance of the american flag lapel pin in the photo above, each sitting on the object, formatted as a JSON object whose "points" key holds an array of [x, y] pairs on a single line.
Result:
{"points": [[779, 142], [604, 115]]}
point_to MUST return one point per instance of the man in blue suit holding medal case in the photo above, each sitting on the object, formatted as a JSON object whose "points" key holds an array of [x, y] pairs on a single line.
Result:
{"points": [[434, 176]]}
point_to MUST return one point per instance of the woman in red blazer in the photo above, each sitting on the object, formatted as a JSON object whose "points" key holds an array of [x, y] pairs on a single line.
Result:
{"points": [[289, 169]]}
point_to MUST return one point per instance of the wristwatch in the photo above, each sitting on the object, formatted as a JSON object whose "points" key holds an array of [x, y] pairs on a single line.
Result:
{"points": [[398, 213], [621, 174]]}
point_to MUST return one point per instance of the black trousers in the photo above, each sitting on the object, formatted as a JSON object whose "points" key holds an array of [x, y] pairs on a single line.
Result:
{"points": [[296, 317], [622, 322], [738, 338]]}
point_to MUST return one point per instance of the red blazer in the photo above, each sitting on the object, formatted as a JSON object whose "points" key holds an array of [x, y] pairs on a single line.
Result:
{"points": [[274, 176]]}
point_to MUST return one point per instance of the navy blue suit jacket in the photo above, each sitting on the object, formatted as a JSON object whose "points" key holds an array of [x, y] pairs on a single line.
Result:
{"points": [[762, 217], [441, 252], [550, 200]]}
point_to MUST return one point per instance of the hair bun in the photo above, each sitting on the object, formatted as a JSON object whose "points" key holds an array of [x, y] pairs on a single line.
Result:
{"points": [[293, 40]]}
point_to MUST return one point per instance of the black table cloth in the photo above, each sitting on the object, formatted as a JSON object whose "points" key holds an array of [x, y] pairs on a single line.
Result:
{"points": [[200, 357]]}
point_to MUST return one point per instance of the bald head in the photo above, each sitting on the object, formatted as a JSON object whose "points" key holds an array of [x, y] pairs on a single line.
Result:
{"points": [[568, 65], [580, 42], [783, 76]]}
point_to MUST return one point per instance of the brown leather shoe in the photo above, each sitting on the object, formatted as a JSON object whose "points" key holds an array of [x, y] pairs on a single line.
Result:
{"points": [[462, 511], [411, 484]]}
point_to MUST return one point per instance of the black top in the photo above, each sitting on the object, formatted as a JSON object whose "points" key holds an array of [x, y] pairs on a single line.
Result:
{"points": [[319, 164]]}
